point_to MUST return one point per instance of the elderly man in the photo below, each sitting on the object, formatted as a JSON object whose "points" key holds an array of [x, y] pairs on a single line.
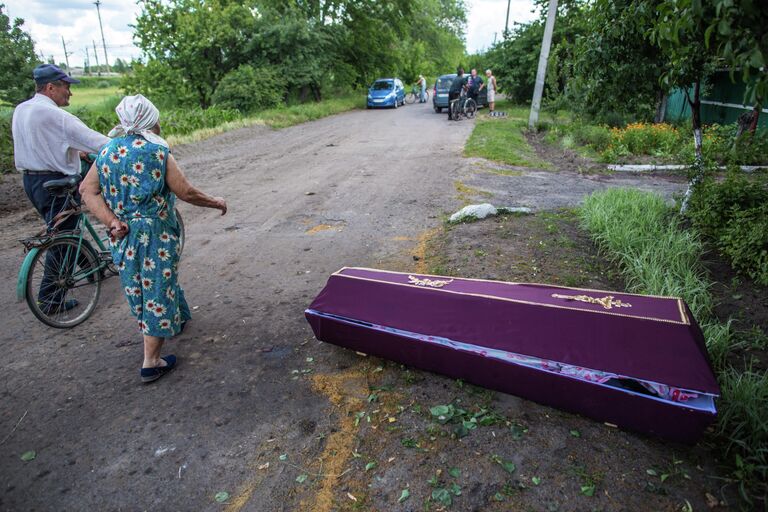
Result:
{"points": [[47, 141], [474, 84]]}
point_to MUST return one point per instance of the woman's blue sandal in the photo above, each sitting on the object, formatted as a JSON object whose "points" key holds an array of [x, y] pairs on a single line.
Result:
{"points": [[152, 374]]}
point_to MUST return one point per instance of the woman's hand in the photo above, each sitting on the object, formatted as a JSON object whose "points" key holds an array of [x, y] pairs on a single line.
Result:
{"points": [[117, 229], [220, 204]]}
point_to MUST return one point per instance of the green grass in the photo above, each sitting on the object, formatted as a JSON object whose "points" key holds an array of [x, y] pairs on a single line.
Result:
{"points": [[96, 107], [282, 117], [91, 96], [639, 233], [503, 140], [297, 114], [636, 230]]}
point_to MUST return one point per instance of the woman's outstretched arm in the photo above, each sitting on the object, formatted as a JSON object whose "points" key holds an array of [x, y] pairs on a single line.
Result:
{"points": [[184, 190]]}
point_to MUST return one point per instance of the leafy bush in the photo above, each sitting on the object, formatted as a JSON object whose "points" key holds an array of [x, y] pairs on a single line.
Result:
{"points": [[248, 89], [596, 137], [164, 85], [734, 215], [745, 242], [184, 121], [665, 142], [750, 149], [662, 140], [6, 145]]}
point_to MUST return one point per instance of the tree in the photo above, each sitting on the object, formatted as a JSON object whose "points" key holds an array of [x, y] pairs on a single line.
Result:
{"points": [[119, 66], [515, 59], [615, 68], [201, 40], [679, 28], [17, 60], [312, 45], [236, 91], [737, 32]]}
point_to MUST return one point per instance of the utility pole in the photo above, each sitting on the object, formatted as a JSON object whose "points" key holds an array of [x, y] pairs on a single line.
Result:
{"points": [[98, 68], [66, 55], [506, 25], [97, 3], [87, 61], [541, 73]]}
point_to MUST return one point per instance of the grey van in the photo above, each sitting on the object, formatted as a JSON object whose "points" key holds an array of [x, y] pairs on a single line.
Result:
{"points": [[443, 85]]}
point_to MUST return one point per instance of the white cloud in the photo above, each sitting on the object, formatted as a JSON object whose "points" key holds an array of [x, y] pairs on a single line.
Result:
{"points": [[487, 17], [47, 21]]}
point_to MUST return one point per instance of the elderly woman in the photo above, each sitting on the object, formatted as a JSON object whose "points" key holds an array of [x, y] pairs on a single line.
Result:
{"points": [[491, 90], [131, 188]]}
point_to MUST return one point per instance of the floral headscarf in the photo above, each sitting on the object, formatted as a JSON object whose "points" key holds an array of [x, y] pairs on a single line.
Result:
{"points": [[137, 115]]}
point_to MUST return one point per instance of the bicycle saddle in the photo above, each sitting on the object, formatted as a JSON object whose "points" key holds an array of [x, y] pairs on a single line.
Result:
{"points": [[62, 186]]}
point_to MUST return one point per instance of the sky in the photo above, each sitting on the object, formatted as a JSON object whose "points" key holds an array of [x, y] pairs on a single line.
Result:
{"points": [[47, 21]]}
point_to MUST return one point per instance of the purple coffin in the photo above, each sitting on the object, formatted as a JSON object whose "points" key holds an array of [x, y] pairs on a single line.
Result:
{"points": [[635, 361]]}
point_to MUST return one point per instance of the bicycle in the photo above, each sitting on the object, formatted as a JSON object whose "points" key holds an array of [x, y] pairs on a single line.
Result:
{"points": [[463, 106], [62, 265], [415, 94]]}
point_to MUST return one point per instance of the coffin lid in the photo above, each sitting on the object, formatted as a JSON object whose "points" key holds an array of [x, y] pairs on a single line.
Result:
{"points": [[638, 336]]}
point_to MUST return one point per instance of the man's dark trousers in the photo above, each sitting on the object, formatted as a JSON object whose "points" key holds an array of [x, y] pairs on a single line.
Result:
{"points": [[452, 96], [48, 207]]}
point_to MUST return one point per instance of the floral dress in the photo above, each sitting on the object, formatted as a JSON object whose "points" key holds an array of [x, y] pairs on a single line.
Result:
{"points": [[132, 178]]}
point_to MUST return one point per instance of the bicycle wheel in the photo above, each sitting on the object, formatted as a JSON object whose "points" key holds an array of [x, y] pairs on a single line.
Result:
{"points": [[64, 283], [455, 110], [182, 234], [410, 98], [470, 108]]}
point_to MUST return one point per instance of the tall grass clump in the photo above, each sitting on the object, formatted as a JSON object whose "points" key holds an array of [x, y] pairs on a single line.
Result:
{"points": [[641, 234], [638, 231], [743, 424]]}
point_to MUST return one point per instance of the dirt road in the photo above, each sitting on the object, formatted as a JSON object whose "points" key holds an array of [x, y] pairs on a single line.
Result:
{"points": [[256, 401]]}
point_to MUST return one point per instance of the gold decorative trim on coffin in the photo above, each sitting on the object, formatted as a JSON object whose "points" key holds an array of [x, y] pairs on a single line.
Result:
{"points": [[432, 283], [681, 308], [608, 302]]}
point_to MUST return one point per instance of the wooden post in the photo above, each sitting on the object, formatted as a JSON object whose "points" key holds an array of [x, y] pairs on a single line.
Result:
{"points": [[66, 55], [506, 25], [97, 3], [95, 53], [541, 73]]}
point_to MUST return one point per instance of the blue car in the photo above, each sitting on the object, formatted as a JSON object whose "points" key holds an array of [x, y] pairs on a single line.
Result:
{"points": [[386, 92]]}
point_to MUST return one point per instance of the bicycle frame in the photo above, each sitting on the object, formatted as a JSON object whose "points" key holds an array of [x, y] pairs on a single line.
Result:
{"points": [[35, 246]]}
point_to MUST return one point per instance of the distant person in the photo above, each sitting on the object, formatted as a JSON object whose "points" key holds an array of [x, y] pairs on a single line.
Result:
{"points": [[474, 84], [422, 83], [131, 188], [491, 81], [47, 141], [457, 86]]}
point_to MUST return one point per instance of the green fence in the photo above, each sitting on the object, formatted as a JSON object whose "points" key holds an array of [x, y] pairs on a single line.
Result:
{"points": [[721, 103]]}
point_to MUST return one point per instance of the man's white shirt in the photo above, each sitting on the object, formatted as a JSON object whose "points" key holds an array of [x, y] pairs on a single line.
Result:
{"points": [[48, 138]]}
